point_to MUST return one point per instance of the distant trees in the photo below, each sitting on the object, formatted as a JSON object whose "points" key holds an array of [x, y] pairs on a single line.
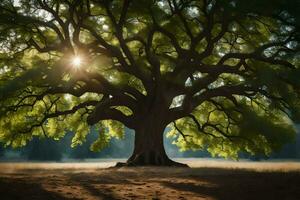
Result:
{"points": [[116, 149], [1, 150], [289, 151], [83, 151], [48, 150], [37, 150], [43, 150]]}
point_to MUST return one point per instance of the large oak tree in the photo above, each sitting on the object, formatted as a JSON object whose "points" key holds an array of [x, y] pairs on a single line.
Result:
{"points": [[223, 75]]}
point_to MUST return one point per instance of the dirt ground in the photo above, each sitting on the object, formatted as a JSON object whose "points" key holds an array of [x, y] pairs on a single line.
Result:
{"points": [[206, 179]]}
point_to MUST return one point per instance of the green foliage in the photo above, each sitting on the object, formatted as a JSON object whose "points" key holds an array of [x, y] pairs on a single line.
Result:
{"points": [[115, 128], [107, 130], [252, 127], [100, 143], [43, 150], [234, 63]]}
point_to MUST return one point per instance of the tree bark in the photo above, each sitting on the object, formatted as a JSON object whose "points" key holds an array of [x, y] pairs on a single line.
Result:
{"points": [[149, 146]]}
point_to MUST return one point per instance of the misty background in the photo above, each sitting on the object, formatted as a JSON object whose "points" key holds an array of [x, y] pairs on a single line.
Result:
{"points": [[50, 150]]}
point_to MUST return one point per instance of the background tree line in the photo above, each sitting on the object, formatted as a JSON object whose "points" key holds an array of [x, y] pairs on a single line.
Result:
{"points": [[50, 150]]}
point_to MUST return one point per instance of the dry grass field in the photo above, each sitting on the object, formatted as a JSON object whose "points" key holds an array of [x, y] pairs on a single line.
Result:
{"points": [[206, 179]]}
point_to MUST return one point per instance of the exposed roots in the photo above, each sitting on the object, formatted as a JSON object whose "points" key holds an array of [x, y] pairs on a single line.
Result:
{"points": [[150, 159]]}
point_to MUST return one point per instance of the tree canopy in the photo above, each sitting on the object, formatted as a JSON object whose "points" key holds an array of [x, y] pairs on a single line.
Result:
{"points": [[223, 75]]}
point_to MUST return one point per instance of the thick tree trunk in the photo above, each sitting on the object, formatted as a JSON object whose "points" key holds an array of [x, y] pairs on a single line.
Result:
{"points": [[149, 146], [149, 133]]}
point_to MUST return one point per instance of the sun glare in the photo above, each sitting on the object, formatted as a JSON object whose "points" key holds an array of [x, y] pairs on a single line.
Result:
{"points": [[76, 62]]}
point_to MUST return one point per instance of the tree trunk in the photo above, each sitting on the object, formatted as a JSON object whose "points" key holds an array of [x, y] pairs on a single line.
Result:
{"points": [[149, 146]]}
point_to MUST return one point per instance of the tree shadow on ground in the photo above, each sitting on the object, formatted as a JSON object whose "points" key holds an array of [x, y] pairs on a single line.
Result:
{"points": [[102, 194], [15, 189], [100, 185], [217, 183], [240, 184], [149, 182]]}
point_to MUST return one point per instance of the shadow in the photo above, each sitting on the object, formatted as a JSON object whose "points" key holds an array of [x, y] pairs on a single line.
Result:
{"points": [[21, 190], [223, 184], [111, 178], [145, 182], [107, 183], [218, 183], [98, 193]]}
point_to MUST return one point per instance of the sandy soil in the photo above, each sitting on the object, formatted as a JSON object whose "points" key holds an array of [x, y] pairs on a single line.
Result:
{"points": [[207, 179]]}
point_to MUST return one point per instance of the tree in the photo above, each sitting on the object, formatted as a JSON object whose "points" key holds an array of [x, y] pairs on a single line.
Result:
{"points": [[116, 148], [2, 151], [223, 75], [43, 150]]}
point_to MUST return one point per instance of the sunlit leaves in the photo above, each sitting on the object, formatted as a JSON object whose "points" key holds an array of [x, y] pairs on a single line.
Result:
{"points": [[106, 130], [80, 134], [115, 129], [252, 127], [125, 110], [100, 143]]}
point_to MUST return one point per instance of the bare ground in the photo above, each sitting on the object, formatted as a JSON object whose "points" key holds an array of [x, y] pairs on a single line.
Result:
{"points": [[207, 179]]}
